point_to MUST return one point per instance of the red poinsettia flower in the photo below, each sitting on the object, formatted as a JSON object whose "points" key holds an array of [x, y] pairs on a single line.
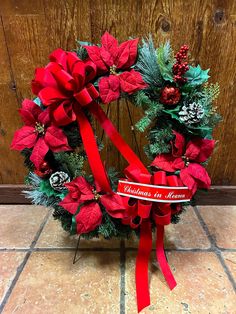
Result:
{"points": [[60, 85], [186, 158], [90, 214], [114, 58], [38, 133]]}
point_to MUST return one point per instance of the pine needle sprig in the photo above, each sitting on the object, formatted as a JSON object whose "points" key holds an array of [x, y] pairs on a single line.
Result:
{"points": [[147, 63]]}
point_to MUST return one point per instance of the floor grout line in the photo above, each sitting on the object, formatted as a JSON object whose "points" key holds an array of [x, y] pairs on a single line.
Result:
{"points": [[24, 262], [215, 248], [122, 276]]}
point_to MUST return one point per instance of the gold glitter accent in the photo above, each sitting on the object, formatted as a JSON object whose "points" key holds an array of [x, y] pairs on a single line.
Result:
{"points": [[39, 128], [113, 70], [96, 195]]}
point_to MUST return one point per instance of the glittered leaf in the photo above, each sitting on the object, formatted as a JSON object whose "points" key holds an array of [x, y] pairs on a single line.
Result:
{"points": [[131, 82], [39, 152], [196, 76], [56, 139], [127, 54], [114, 205], [24, 138], [109, 88], [88, 218]]}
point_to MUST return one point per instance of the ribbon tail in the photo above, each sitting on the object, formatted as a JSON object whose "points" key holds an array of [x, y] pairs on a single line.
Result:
{"points": [[116, 138], [161, 258], [141, 271], [92, 152]]}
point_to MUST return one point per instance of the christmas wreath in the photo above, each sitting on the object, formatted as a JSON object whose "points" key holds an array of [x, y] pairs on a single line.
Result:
{"points": [[58, 138]]}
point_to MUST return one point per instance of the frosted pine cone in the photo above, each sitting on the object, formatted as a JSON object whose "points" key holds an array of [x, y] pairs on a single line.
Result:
{"points": [[58, 179], [191, 113]]}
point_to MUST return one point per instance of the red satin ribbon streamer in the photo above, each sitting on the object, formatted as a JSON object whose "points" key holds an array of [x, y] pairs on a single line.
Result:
{"points": [[141, 269], [116, 138], [92, 152], [145, 244]]}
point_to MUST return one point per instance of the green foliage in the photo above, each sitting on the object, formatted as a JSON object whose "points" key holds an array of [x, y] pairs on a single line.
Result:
{"points": [[73, 135], [165, 61], [71, 163], [151, 110], [196, 76], [27, 162], [159, 138], [45, 187], [147, 63]]}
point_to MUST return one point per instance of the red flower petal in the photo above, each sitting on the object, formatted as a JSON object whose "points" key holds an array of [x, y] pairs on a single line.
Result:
{"points": [[32, 107], [114, 205], [83, 186], [56, 139], [109, 49], [109, 88], [178, 144], [39, 152], [195, 176], [24, 138], [127, 54], [95, 55], [44, 117], [132, 81], [89, 217], [188, 181], [200, 149], [70, 204], [168, 162]]}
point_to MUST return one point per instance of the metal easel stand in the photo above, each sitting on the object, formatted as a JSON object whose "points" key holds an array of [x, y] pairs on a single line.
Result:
{"points": [[75, 259]]}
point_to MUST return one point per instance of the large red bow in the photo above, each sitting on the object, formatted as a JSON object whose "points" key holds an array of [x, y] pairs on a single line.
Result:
{"points": [[63, 86], [144, 211]]}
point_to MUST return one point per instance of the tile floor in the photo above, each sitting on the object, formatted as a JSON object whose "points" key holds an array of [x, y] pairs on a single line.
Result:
{"points": [[37, 274]]}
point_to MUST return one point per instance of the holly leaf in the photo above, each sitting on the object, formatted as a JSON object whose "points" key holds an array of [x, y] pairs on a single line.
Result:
{"points": [[114, 205], [24, 138], [127, 54], [56, 139], [196, 76], [109, 88], [131, 82], [88, 218], [39, 152]]}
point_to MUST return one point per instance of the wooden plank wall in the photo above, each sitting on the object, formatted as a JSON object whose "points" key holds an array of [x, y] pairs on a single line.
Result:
{"points": [[30, 29]]}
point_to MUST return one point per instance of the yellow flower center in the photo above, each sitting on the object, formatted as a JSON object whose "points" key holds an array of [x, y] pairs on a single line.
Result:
{"points": [[96, 195], [39, 128], [113, 70]]}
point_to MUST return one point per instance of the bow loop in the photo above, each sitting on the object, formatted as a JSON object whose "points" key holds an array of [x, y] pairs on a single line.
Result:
{"points": [[144, 209]]}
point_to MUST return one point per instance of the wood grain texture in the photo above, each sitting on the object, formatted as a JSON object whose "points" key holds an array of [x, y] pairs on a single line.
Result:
{"points": [[29, 30]]}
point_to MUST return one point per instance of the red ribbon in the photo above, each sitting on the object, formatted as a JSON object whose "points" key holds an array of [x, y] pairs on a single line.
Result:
{"points": [[161, 213], [73, 76]]}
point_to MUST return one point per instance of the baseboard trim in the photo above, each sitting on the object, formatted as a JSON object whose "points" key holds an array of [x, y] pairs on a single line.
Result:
{"points": [[217, 195]]}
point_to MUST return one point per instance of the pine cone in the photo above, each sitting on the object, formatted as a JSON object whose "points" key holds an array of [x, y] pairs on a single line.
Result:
{"points": [[191, 113], [58, 179]]}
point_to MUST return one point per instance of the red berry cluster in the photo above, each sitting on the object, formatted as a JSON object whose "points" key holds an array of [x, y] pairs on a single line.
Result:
{"points": [[180, 67]]}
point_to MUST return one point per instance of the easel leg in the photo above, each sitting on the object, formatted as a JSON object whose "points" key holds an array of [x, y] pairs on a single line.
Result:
{"points": [[76, 251]]}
